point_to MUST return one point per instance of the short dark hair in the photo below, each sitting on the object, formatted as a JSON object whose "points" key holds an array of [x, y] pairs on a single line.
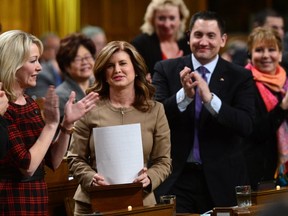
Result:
{"points": [[69, 47], [208, 15], [260, 17]]}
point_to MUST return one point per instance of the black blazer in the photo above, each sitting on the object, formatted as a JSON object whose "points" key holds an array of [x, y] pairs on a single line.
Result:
{"points": [[261, 151], [149, 47], [220, 137], [4, 147], [284, 61]]}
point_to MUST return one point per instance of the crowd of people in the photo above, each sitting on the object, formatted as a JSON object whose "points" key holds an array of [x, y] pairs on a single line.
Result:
{"points": [[209, 122]]}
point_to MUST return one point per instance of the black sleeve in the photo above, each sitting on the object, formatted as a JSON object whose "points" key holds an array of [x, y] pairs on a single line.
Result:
{"points": [[3, 137]]}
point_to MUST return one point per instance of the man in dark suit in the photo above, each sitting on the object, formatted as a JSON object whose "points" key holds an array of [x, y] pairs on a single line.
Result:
{"points": [[226, 117]]}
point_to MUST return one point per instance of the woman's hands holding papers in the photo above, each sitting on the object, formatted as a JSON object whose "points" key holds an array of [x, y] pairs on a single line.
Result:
{"points": [[143, 178], [98, 180]]}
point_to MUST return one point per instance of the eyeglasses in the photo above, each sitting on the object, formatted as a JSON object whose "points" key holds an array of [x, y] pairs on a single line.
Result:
{"points": [[79, 60]]}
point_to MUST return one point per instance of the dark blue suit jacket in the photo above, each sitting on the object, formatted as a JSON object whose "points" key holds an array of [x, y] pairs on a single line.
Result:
{"points": [[220, 137]]}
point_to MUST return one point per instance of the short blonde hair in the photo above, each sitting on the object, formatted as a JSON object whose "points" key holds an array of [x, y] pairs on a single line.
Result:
{"points": [[148, 27], [264, 35], [15, 48]]}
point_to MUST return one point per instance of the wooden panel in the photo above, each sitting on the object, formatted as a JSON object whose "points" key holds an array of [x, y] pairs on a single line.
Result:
{"points": [[114, 197], [238, 14], [121, 19], [91, 12], [57, 193], [260, 200], [157, 210], [59, 188], [238, 211], [269, 196], [196, 5]]}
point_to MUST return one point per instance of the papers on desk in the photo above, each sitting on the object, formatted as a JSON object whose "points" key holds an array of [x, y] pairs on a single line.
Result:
{"points": [[119, 152]]}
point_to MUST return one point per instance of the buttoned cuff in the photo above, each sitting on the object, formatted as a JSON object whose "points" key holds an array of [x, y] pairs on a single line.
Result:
{"points": [[214, 105], [182, 100]]}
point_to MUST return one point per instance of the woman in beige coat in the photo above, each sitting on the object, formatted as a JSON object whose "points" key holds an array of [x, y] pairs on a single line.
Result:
{"points": [[126, 98]]}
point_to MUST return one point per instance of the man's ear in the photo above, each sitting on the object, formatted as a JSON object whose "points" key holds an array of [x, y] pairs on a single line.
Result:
{"points": [[187, 35], [224, 39]]}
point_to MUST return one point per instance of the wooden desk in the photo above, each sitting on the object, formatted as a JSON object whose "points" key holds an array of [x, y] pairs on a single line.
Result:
{"points": [[186, 214], [114, 197], [260, 200], [155, 210], [59, 188], [250, 211], [236, 211], [268, 196], [57, 194]]}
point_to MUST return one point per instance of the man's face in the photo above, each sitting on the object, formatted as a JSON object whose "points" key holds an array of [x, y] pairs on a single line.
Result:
{"points": [[206, 40], [276, 23]]}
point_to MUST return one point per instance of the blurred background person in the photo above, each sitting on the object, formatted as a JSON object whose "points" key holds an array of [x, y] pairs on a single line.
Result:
{"points": [[236, 52], [286, 41], [263, 146], [163, 32], [50, 74], [97, 35], [76, 60], [126, 97], [272, 19]]}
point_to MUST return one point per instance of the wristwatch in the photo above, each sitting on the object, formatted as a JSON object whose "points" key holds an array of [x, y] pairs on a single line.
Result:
{"points": [[65, 130]]}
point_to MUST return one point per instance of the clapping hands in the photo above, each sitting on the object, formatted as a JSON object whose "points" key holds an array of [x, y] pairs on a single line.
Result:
{"points": [[74, 111], [3, 101]]}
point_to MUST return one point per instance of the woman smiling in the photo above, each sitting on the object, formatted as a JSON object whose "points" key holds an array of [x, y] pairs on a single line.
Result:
{"points": [[264, 148]]}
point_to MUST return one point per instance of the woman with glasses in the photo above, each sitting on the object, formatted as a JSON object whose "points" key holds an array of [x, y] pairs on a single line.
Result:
{"points": [[76, 60]]}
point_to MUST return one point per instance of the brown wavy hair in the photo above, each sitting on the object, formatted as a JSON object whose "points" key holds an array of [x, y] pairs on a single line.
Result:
{"points": [[144, 91]]}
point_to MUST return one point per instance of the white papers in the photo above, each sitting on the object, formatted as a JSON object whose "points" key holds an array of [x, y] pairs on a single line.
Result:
{"points": [[119, 152]]}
